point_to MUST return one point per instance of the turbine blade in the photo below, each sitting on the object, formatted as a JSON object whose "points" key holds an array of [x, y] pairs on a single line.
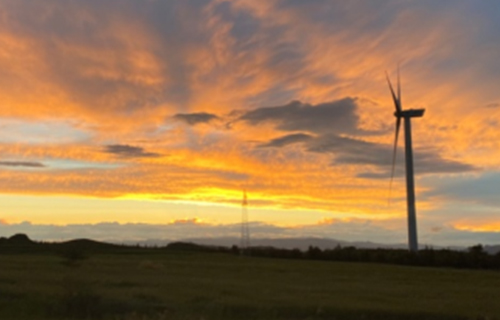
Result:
{"points": [[399, 91], [394, 153], [396, 100]]}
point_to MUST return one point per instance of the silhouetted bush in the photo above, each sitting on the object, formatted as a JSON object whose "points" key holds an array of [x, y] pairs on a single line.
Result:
{"points": [[474, 258], [188, 246], [73, 256]]}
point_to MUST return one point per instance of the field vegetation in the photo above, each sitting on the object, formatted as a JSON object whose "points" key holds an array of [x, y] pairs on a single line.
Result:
{"points": [[82, 280]]}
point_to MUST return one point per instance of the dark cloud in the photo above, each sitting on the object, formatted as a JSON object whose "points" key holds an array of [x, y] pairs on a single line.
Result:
{"points": [[330, 117], [353, 151], [429, 161], [425, 162], [127, 151], [480, 189], [195, 118], [286, 140], [493, 105], [330, 122], [27, 164]]}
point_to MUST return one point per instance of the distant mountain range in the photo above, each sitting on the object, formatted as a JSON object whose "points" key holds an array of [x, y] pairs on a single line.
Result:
{"points": [[285, 243], [300, 243], [492, 249]]}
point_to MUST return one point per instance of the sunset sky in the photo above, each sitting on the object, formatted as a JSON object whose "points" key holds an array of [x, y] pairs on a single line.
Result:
{"points": [[124, 119]]}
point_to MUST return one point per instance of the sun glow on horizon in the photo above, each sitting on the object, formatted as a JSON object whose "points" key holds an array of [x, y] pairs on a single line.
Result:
{"points": [[108, 115]]}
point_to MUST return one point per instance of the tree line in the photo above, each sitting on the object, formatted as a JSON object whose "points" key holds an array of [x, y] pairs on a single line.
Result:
{"points": [[473, 258]]}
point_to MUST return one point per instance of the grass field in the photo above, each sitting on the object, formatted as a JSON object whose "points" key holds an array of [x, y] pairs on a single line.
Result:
{"points": [[193, 285]]}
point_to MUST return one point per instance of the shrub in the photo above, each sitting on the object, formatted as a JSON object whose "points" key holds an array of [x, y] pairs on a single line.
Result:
{"points": [[73, 256]]}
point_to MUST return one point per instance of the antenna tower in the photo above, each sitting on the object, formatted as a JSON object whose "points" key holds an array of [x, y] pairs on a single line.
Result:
{"points": [[245, 232]]}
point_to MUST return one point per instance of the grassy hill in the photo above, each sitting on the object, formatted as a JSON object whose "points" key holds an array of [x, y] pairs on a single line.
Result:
{"points": [[186, 284]]}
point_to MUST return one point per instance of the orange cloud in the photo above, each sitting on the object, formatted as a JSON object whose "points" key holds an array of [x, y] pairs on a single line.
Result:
{"points": [[493, 226], [188, 221], [118, 75]]}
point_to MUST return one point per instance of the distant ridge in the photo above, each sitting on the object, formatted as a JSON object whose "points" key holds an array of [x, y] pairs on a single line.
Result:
{"points": [[22, 243], [492, 249], [303, 244], [296, 243], [87, 243], [17, 239]]}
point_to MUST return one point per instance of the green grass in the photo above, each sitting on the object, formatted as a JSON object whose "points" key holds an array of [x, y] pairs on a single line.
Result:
{"points": [[191, 285]]}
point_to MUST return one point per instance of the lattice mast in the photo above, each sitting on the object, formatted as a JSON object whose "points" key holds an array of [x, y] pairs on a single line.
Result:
{"points": [[245, 232]]}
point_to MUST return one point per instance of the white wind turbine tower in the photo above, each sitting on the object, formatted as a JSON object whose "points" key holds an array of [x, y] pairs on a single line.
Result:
{"points": [[410, 183]]}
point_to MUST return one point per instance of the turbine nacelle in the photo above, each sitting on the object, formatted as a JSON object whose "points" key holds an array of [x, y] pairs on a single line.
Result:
{"points": [[410, 113]]}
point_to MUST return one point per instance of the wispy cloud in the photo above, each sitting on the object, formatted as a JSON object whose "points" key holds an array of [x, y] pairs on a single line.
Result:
{"points": [[314, 116], [287, 140], [127, 151], [27, 164]]}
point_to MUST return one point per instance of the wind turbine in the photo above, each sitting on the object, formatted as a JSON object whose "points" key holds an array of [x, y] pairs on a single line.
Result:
{"points": [[410, 183]]}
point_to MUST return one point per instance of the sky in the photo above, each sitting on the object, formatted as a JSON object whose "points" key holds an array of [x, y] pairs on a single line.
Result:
{"points": [[125, 119]]}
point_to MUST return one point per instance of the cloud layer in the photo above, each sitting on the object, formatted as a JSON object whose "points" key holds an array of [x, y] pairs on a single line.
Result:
{"points": [[27, 164], [343, 230], [127, 151], [196, 100], [332, 117], [195, 118]]}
